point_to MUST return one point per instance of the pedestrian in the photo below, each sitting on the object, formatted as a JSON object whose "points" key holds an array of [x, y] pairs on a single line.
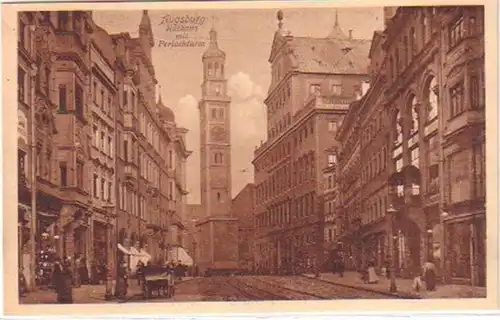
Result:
{"points": [[139, 272], [122, 281], [84, 272], [76, 271], [340, 264], [22, 283], [63, 281], [429, 275], [371, 273]]}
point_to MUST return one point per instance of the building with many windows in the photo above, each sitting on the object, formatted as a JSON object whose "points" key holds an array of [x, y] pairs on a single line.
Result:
{"points": [[416, 141], [313, 81], [101, 161]]}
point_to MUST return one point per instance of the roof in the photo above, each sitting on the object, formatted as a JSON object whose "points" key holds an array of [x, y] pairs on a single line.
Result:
{"points": [[104, 43], [213, 50], [331, 55], [165, 112]]}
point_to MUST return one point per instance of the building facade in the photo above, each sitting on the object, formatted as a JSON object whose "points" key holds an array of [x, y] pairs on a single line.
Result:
{"points": [[427, 70], [306, 102], [102, 160], [242, 209]]}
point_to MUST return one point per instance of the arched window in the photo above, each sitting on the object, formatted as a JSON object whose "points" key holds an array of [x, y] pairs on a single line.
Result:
{"points": [[216, 69], [399, 129], [432, 111], [210, 71], [414, 115]]}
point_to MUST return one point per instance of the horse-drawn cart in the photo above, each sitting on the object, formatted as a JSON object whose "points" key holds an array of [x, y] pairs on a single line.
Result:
{"points": [[158, 279]]}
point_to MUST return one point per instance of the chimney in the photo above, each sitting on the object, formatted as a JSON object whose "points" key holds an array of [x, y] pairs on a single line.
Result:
{"points": [[350, 33]]}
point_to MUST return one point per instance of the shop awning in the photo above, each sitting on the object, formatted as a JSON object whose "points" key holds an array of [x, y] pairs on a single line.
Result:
{"points": [[180, 254], [123, 249]]}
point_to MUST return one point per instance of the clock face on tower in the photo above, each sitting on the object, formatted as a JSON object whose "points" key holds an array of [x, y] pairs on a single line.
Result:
{"points": [[218, 134]]}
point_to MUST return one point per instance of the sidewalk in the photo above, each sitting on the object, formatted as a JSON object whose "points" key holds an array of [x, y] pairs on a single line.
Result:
{"points": [[84, 294], [404, 286]]}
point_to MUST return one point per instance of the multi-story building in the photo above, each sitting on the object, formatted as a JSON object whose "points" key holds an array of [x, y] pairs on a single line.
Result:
{"points": [[104, 162], [242, 208], [313, 81], [330, 200], [418, 137]]}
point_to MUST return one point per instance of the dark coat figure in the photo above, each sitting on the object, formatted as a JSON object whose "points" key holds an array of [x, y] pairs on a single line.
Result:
{"points": [[76, 271], [63, 283], [122, 281], [339, 262], [83, 271], [429, 276], [22, 283], [139, 272]]}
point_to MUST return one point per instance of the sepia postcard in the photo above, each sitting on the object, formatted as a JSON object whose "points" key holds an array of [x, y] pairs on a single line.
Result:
{"points": [[304, 156]]}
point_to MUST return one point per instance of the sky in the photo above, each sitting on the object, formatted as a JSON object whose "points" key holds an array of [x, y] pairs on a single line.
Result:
{"points": [[246, 37]]}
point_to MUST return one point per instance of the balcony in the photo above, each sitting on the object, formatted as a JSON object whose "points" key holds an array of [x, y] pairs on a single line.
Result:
{"points": [[464, 120], [131, 123]]}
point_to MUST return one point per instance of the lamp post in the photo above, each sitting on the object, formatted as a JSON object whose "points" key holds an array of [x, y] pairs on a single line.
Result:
{"points": [[430, 242], [109, 286], [391, 212]]}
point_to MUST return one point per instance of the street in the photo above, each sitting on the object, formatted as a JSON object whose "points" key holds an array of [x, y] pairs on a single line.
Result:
{"points": [[237, 288]]}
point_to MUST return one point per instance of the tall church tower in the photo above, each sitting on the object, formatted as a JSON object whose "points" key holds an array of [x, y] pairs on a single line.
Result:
{"points": [[218, 245], [215, 131]]}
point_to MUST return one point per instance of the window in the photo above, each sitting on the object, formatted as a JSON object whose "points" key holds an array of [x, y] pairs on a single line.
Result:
{"points": [[170, 159], [413, 42], [330, 235], [103, 188], [62, 20], [21, 164], [62, 98], [337, 89], [102, 99], [109, 106], [94, 92], [95, 185], [456, 32], [22, 33], [102, 142], [133, 101], [78, 100], [314, 89], [21, 84], [332, 159], [474, 93], [433, 100], [457, 99], [214, 113], [110, 145], [110, 186], [39, 66], [218, 197], [79, 174], [221, 113], [479, 170], [332, 126], [63, 174], [125, 100]]}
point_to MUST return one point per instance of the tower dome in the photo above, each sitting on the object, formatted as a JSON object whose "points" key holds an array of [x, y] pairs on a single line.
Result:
{"points": [[165, 113], [213, 50]]}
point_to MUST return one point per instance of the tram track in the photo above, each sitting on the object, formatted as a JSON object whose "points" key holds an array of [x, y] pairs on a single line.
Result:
{"points": [[257, 289]]}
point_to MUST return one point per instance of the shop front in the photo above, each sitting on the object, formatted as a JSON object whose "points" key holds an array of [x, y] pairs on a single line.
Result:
{"points": [[465, 238]]}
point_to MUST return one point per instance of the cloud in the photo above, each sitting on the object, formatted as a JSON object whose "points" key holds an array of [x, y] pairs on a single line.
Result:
{"points": [[241, 87], [248, 114], [187, 116]]}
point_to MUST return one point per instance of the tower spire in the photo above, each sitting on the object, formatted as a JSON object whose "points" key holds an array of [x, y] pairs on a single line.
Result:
{"points": [[336, 18]]}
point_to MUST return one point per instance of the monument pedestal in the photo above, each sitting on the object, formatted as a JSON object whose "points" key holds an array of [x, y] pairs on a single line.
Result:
{"points": [[218, 247]]}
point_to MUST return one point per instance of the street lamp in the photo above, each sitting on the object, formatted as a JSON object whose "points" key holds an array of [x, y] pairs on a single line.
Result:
{"points": [[391, 212], [109, 289]]}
